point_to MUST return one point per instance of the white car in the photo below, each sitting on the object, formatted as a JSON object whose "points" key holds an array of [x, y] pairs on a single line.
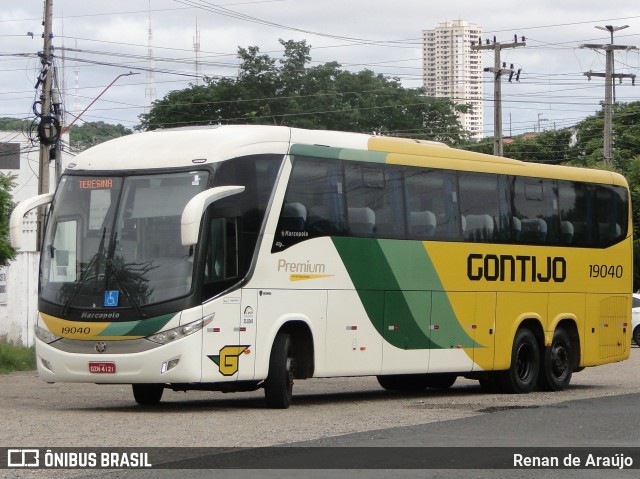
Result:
{"points": [[635, 318]]}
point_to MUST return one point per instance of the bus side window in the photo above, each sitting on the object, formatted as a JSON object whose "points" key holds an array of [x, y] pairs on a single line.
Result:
{"points": [[431, 204], [574, 200], [611, 218], [313, 203], [375, 202], [535, 204], [479, 206]]}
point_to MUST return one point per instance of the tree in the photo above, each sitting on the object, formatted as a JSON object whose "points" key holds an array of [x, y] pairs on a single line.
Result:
{"points": [[14, 124], [626, 131], [94, 132], [7, 253], [551, 147], [289, 92]]}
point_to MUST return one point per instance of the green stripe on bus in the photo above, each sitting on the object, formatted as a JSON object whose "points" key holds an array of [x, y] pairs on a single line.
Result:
{"points": [[143, 327], [395, 281], [317, 151]]}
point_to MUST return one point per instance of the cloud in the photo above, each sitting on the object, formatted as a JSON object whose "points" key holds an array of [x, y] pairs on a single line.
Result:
{"points": [[382, 36]]}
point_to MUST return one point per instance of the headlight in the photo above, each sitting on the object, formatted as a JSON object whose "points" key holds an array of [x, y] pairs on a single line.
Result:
{"points": [[180, 332], [45, 335]]}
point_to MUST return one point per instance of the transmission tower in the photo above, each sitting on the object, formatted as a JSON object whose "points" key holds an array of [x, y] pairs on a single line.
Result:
{"points": [[196, 49], [150, 90]]}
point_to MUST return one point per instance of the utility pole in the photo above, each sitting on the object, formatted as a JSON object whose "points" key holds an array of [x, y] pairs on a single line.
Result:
{"points": [[48, 128], [539, 121], [498, 71], [609, 77]]}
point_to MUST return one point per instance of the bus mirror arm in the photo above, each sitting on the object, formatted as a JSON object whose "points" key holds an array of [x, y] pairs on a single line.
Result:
{"points": [[17, 216], [192, 213]]}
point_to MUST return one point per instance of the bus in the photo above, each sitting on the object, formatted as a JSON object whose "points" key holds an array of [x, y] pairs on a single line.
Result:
{"points": [[233, 258]]}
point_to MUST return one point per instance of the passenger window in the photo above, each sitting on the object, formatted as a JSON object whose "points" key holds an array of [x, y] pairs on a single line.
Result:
{"points": [[480, 207], [313, 204], [535, 207], [375, 204], [574, 201], [611, 214], [432, 204]]}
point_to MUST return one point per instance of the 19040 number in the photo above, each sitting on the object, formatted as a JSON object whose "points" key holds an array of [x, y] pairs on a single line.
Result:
{"points": [[605, 271], [73, 330]]}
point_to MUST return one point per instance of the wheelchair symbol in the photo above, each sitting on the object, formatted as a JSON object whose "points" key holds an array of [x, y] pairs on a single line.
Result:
{"points": [[111, 298]]}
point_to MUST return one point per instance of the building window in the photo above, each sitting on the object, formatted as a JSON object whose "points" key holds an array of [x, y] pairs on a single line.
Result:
{"points": [[9, 156]]}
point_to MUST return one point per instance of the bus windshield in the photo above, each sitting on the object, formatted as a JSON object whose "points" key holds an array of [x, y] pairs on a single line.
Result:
{"points": [[114, 241]]}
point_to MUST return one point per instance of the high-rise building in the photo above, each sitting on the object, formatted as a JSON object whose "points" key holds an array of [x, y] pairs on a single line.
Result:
{"points": [[452, 70]]}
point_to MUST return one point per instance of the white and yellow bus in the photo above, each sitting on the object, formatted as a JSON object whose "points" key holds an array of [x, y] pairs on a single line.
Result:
{"points": [[237, 257]]}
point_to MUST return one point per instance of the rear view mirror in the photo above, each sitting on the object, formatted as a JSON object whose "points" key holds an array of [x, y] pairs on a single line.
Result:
{"points": [[192, 214]]}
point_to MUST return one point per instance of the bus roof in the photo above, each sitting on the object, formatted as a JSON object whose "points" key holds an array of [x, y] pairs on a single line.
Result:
{"points": [[190, 146]]}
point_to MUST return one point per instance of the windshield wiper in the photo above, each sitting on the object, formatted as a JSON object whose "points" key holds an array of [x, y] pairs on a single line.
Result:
{"points": [[94, 261]]}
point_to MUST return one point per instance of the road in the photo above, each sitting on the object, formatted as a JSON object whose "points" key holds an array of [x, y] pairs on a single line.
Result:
{"points": [[601, 408]]}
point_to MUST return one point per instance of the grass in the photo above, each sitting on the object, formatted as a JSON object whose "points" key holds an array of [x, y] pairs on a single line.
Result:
{"points": [[16, 358]]}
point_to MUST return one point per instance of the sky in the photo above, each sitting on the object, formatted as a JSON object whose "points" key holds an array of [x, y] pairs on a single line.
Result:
{"points": [[103, 40]]}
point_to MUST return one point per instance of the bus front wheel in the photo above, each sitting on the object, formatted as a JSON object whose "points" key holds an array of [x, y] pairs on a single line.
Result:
{"points": [[522, 376], [147, 394], [557, 363], [278, 387]]}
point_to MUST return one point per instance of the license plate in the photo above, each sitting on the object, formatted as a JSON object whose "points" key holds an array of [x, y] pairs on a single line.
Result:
{"points": [[102, 367]]}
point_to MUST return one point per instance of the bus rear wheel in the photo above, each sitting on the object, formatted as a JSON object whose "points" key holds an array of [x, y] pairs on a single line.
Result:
{"points": [[147, 394], [278, 387], [522, 376], [557, 363]]}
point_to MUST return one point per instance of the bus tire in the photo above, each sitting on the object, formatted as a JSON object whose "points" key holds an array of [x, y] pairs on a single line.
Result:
{"points": [[278, 387], [557, 363], [147, 394], [522, 376]]}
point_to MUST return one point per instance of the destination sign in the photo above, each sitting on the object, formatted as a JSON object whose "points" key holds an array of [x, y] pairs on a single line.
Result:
{"points": [[96, 184]]}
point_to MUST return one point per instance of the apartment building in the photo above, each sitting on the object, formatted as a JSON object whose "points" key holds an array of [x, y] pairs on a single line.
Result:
{"points": [[452, 70]]}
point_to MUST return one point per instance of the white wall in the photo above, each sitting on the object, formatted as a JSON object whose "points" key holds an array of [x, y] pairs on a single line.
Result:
{"points": [[18, 314], [18, 307]]}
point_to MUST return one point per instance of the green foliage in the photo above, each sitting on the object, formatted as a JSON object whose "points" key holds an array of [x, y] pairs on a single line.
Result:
{"points": [[14, 358], [550, 147], [92, 133], [7, 253], [289, 92], [14, 124]]}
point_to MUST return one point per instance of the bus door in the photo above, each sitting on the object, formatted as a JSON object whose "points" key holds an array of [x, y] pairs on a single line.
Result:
{"points": [[229, 338]]}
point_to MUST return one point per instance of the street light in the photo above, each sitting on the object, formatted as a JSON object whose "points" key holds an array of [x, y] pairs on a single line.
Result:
{"points": [[611, 29], [58, 160], [64, 130]]}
